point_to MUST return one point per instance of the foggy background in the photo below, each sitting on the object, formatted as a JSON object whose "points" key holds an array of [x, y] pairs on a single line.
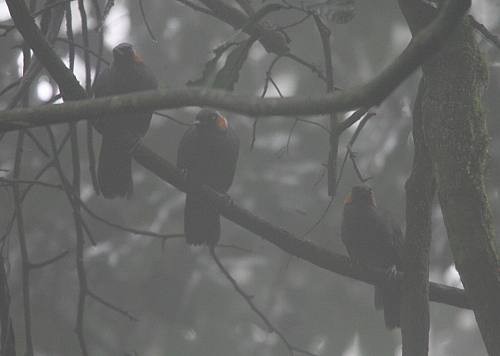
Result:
{"points": [[184, 304]]}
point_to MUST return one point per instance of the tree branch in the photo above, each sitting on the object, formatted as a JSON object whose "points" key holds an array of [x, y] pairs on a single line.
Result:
{"points": [[425, 44], [283, 239], [248, 299]]}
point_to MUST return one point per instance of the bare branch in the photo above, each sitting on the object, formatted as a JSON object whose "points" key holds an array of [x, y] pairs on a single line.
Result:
{"points": [[146, 23], [198, 8], [112, 306], [171, 118], [83, 48], [7, 181], [23, 248], [331, 169], [128, 229], [74, 190], [36, 265], [427, 42], [256, 310], [7, 339], [283, 239]]}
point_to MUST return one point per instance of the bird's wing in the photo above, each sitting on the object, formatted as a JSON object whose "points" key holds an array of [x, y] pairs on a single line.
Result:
{"points": [[186, 150], [101, 86], [391, 236], [230, 159]]}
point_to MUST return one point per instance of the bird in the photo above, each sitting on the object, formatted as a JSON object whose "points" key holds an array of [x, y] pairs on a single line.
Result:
{"points": [[372, 238], [208, 154], [127, 73]]}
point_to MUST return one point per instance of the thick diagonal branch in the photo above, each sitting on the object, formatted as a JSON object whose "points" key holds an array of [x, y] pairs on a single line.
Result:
{"points": [[422, 47], [280, 237]]}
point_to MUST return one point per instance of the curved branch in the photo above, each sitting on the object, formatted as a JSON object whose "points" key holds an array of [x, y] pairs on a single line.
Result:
{"points": [[423, 46]]}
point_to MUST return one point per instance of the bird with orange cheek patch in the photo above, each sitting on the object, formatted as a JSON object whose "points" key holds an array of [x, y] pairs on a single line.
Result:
{"points": [[127, 74], [208, 153], [373, 239]]}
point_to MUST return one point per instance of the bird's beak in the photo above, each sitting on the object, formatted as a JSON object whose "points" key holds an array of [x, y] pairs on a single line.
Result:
{"points": [[348, 199], [222, 122], [136, 58]]}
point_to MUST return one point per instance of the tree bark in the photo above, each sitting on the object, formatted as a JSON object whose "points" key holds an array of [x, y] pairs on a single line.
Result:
{"points": [[420, 190], [457, 139], [7, 340]]}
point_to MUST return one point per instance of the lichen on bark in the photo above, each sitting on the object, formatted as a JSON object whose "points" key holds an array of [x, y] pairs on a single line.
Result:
{"points": [[456, 135]]}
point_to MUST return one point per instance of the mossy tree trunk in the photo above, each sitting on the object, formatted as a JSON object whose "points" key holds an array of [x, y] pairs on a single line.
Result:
{"points": [[457, 139]]}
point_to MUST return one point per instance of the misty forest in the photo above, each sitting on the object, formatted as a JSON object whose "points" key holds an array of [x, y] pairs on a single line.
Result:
{"points": [[249, 177]]}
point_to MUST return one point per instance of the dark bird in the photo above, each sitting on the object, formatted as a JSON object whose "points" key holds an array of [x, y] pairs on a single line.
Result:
{"points": [[208, 153], [127, 74], [373, 239]]}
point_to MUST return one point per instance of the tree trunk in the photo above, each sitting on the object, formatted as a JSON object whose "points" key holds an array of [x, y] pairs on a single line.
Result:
{"points": [[457, 139], [420, 190]]}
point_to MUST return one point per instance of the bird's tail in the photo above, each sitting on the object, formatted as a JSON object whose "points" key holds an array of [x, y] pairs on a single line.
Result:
{"points": [[389, 298], [114, 172], [201, 221]]}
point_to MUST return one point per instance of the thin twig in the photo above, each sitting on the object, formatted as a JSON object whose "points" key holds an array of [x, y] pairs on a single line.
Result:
{"points": [[263, 95], [111, 306], [85, 38], [146, 23], [72, 190], [248, 299], [7, 337], [289, 139], [171, 118], [23, 245], [349, 153], [25, 272], [128, 229], [36, 265], [352, 119], [196, 7], [310, 66], [325, 35], [10, 86], [37, 143], [90, 141], [7, 181], [319, 220], [85, 49], [295, 23]]}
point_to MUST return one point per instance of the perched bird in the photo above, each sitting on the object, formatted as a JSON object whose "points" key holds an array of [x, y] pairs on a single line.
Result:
{"points": [[208, 153], [373, 239], [127, 74]]}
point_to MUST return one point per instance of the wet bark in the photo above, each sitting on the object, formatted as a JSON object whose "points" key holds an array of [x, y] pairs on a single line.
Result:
{"points": [[456, 135], [420, 191]]}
